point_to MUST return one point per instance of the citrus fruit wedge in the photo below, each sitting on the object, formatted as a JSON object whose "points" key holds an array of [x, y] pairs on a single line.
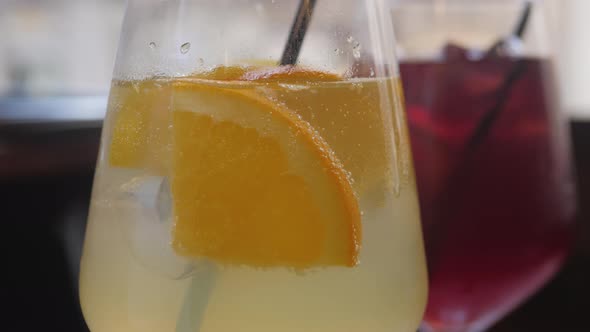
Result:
{"points": [[255, 185], [252, 184], [287, 74]]}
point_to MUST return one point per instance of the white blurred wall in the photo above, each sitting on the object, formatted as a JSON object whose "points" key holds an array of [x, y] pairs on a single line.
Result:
{"points": [[58, 46], [573, 42]]}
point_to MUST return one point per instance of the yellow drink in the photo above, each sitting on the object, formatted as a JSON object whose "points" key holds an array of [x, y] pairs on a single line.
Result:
{"points": [[140, 269]]}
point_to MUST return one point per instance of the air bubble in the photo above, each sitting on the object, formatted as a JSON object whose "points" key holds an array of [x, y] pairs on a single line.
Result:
{"points": [[184, 48], [356, 51]]}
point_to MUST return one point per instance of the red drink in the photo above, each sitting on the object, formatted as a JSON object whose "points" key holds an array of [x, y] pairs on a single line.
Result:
{"points": [[497, 208]]}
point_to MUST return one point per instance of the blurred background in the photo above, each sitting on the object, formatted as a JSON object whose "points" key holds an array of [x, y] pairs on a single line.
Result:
{"points": [[56, 60]]}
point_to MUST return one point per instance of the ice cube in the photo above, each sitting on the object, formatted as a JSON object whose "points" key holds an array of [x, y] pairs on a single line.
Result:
{"points": [[147, 221]]}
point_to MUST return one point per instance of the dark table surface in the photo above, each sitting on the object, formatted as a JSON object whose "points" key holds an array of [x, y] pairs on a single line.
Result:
{"points": [[45, 182], [564, 303]]}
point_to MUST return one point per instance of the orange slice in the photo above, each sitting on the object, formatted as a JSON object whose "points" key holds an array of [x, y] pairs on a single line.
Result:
{"points": [[255, 185], [288, 74], [281, 74], [222, 73], [252, 183]]}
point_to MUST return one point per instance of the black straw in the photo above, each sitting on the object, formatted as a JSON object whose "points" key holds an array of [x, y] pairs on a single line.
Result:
{"points": [[297, 33], [524, 19], [518, 31], [487, 121], [513, 75]]}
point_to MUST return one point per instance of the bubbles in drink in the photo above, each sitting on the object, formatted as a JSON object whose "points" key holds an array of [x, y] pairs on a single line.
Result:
{"points": [[184, 48], [356, 47], [356, 51]]}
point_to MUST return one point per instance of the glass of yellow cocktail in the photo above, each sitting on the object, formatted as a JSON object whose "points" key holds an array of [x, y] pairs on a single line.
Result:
{"points": [[245, 185]]}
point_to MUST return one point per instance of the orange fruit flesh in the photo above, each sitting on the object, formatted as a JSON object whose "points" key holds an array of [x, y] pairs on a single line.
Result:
{"points": [[252, 184], [288, 74], [140, 136]]}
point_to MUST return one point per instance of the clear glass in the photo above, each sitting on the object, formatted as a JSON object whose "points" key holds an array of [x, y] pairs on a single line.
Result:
{"points": [[233, 194], [492, 155]]}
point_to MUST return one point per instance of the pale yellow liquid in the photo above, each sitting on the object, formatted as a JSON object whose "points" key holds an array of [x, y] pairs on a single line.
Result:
{"points": [[123, 289]]}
